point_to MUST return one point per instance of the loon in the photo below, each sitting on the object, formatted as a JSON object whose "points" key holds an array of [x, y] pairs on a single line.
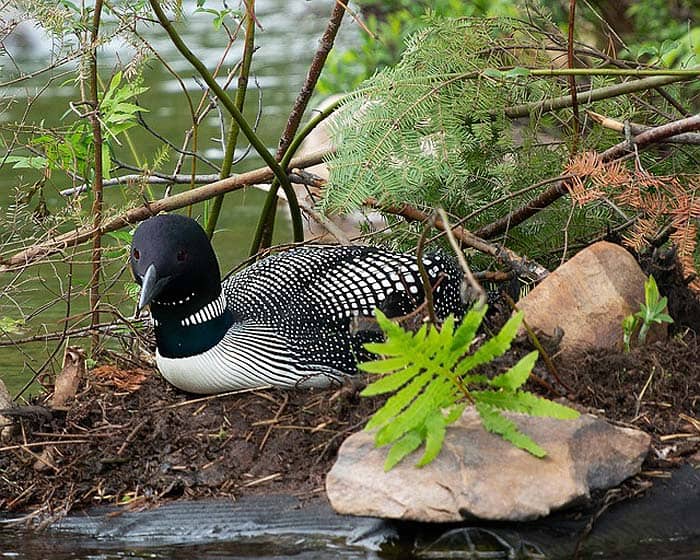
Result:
{"points": [[285, 320]]}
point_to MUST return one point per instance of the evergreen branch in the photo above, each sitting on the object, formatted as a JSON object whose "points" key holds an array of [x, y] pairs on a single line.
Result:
{"points": [[226, 101], [658, 79], [643, 140]]}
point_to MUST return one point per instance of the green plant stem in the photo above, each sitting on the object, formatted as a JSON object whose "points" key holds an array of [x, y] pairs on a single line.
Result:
{"points": [[232, 140], [271, 201], [97, 181], [427, 288], [226, 101], [287, 145]]}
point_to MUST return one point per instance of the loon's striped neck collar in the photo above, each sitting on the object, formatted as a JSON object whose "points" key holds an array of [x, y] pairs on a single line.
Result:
{"points": [[191, 325]]}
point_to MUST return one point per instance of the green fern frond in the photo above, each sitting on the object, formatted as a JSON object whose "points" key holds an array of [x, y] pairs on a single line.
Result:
{"points": [[430, 375], [498, 424]]}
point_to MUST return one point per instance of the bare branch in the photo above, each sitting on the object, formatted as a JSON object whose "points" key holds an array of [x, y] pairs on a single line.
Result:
{"points": [[151, 208]]}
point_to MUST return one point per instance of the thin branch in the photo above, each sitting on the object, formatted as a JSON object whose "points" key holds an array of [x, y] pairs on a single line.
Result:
{"points": [[547, 197], [425, 279], [151, 208], [477, 289], [521, 265], [153, 179], [263, 234], [234, 128], [226, 101], [572, 78], [97, 182], [518, 111], [692, 138]]}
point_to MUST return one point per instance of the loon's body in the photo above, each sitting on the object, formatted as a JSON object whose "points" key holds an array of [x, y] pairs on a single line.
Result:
{"points": [[285, 321]]}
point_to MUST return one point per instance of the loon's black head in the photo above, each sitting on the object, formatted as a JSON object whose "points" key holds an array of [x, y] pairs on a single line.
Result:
{"points": [[173, 261]]}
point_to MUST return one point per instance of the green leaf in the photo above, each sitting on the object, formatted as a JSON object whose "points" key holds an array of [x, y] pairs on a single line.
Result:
{"points": [[466, 331], [415, 413], [525, 402], [663, 318], [494, 73], [517, 72], [389, 383], [403, 447], [496, 423], [387, 365], [27, 162], [518, 374], [395, 404], [493, 347], [435, 428]]}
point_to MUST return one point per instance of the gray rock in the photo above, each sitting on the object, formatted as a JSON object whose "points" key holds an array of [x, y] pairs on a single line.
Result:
{"points": [[478, 475], [587, 297]]}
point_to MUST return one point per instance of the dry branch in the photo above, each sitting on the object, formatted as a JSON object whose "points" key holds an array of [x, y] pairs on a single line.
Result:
{"points": [[521, 265], [547, 197], [151, 208], [635, 128]]}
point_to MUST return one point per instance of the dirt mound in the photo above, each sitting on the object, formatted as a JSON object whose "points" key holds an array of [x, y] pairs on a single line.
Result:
{"points": [[130, 438], [153, 442]]}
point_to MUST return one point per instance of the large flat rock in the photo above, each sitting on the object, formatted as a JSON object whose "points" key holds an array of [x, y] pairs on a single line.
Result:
{"points": [[478, 475]]}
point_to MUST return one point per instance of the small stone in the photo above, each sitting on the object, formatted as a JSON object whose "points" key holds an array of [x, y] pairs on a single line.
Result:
{"points": [[479, 475], [587, 297], [5, 422]]}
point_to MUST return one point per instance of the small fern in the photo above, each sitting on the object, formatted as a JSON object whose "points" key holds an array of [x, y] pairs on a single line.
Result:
{"points": [[430, 373]]}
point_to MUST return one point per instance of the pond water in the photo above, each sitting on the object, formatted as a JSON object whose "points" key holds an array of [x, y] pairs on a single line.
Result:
{"points": [[286, 44]]}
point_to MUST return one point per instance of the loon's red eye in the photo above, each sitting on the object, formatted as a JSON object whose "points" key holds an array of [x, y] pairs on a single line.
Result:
{"points": [[181, 255], [136, 254]]}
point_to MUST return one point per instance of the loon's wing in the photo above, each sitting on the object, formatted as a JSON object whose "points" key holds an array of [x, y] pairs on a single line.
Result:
{"points": [[311, 296]]}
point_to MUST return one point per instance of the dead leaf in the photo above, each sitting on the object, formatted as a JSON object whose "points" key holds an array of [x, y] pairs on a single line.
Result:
{"points": [[68, 380]]}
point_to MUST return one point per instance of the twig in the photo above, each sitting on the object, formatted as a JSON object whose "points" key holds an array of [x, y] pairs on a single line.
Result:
{"points": [[230, 106], [638, 401], [518, 111], [425, 279], [521, 265], [260, 480], [234, 128], [43, 444], [94, 117], [612, 124], [212, 397], [150, 208], [538, 345], [151, 179], [263, 233], [571, 79], [274, 421], [471, 280]]}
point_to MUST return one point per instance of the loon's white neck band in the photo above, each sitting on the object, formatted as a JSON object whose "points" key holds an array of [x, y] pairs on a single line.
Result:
{"points": [[210, 311]]}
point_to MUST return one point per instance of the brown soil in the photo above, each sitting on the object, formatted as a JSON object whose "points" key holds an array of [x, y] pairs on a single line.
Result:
{"points": [[130, 438]]}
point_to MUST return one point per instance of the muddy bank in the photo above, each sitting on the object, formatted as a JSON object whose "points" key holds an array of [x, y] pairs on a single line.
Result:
{"points": [[129, 438]]}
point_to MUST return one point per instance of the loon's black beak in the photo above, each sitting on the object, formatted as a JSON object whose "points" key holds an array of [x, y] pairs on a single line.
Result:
{"points": [[151, 286]]}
